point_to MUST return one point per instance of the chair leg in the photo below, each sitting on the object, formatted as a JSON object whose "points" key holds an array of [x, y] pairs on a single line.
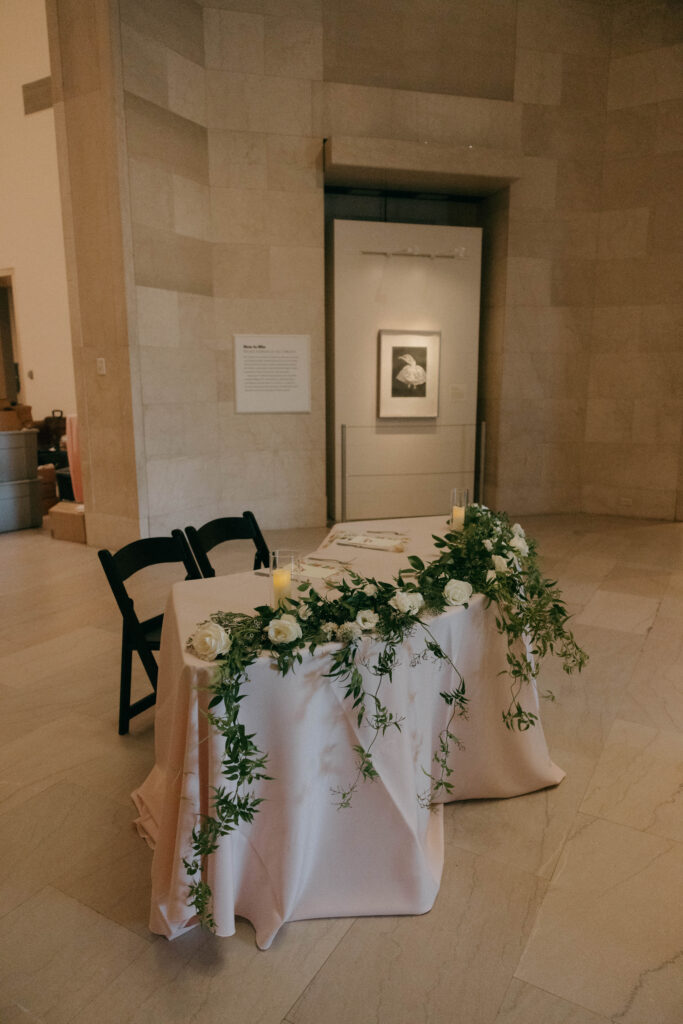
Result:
{"points": [[124, 694]]}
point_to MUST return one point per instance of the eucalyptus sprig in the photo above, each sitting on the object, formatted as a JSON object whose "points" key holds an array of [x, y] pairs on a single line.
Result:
{"points": [[365, 623]]}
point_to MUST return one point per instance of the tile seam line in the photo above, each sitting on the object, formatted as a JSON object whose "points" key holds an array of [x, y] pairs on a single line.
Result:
{"points": [[286, 1019]]}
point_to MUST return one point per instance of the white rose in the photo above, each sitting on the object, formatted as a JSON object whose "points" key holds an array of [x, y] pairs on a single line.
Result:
{"points": [[370, 590], [500, 564], [210, 641], [457, 592], [519, 544], [348, 631], [488, 544], [407, 603], [367, 619], [284, 630], [518, 531], [304, 612]]}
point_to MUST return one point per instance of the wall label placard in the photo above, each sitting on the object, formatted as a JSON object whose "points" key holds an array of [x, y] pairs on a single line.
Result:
{"points": [[272, 373]]}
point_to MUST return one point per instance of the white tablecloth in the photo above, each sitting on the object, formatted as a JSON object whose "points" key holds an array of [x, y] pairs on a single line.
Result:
{"points": [[302, 857]]}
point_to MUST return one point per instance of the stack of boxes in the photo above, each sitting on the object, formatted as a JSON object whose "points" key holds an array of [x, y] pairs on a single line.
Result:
{"points": [[28, 491]]}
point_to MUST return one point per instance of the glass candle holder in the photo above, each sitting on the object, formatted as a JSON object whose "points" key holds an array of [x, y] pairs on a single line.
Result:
{"points": [[282, 566], [460, 497]]}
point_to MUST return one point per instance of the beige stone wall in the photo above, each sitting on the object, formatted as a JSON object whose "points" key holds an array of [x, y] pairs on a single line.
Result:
{"points": [[560, 83], [635, 377], [167, 167], [226, 212], [456, 47], [86, 92], [265, 173], [226, 105]]}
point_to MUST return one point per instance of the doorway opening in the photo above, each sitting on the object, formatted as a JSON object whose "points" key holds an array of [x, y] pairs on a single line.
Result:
{"points": [[488, 212]]}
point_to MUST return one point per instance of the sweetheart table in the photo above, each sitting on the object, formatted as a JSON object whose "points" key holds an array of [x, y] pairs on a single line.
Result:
{"points": [[303, 857]]}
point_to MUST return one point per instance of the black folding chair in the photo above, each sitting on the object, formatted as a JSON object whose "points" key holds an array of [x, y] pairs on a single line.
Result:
{"points": [[217, 531], [144, 637]]}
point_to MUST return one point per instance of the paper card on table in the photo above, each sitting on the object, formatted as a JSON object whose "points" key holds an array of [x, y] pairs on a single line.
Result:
{"points": [[374, 541], [322, 571]]}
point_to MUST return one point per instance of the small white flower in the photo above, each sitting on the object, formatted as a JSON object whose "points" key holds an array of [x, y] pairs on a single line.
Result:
{"points": [[329, 628], [348, 631], [518, 531], [519, 544], [210, 641], [406, 602], [284, 630], [491, 575], [304, 612], [500, 564], [457, 592], [367, 619], [370, 590], [488, 544]]}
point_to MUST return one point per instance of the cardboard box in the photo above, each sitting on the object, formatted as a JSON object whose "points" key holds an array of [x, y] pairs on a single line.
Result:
{"points": [[48, 487], [24, 412], [67, 521], [9, 420]]}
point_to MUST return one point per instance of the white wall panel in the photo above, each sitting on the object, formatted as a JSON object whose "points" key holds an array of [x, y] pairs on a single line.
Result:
{"points": [[398, 467]]}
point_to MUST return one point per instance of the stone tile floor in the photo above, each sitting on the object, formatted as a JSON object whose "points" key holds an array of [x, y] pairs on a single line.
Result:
{"points": [[560, 907]]}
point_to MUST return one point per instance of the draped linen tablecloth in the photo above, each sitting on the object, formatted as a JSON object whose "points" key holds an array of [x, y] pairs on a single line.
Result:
{"points": [[302, 857]]}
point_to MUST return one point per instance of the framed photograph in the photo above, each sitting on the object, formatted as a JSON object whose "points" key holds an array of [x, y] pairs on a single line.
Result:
{"points": [[408, 378]]}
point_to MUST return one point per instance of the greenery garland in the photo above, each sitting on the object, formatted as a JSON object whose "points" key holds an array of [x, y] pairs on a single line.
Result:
{"points": [[488, 556]]}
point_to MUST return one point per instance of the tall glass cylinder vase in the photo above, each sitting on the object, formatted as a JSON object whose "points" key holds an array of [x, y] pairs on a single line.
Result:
{"points": [[460, 499], [282, 568]]}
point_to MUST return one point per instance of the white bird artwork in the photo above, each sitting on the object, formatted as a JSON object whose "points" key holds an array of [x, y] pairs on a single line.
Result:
{"points": [[411, 374]]}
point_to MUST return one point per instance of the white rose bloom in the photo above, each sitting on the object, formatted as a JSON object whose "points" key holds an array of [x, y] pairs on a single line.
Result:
{"points": [[519, 544], [518, 531], [370, 590], [367, 619], [407, 603], [348, 631], [500, 564], [488, 544], [304, 612], [457, 592], [284, 630], [491, 575], [210, 641]]}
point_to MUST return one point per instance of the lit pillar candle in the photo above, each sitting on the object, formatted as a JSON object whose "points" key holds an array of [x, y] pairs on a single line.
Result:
{"points": [[460, 499], [458, 517], [282, 579]]}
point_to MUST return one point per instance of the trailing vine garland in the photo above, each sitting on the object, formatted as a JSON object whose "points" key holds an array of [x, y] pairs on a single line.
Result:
{"points": [[488, 556]]}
